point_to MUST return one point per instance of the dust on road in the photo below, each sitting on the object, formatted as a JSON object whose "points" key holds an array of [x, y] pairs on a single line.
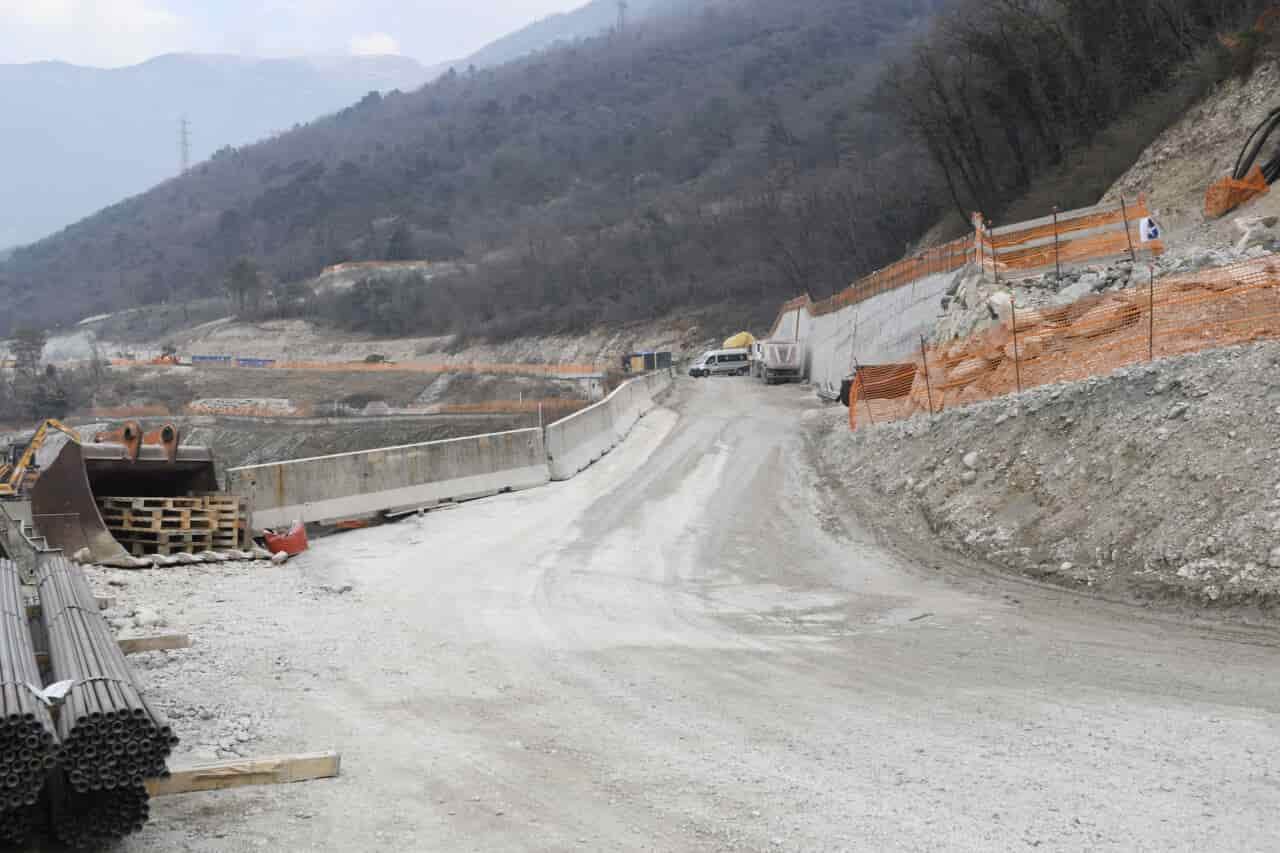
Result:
{"points": [[693, 646]]}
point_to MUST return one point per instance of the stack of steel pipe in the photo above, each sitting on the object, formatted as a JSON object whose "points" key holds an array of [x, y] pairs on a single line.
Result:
{"points": [[89, 820], [111, 738], [28, 749]]}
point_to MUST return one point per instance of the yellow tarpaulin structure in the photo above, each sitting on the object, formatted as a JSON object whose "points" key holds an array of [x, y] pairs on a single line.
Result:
{"points": [[742, 340]]}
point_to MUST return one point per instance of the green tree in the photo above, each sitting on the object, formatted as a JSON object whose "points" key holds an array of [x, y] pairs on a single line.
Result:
{"points": [[400, 246], [28, 350], [244, 282]]}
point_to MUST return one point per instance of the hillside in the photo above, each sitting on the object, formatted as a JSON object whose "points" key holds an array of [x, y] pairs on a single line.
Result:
{"points": [[733, 157], [692, 160], [78, 139], [586, 21]]}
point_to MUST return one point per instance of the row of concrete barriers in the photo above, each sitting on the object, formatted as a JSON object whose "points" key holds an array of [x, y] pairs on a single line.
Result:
{"points": [[391, 480]]}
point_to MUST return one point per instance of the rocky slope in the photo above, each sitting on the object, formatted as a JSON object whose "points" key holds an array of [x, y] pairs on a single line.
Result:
{"points": [[1161, 481], [1177, 169]]}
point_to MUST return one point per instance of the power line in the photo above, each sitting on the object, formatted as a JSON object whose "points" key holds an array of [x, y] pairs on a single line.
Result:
{"points": [[184, 143]]}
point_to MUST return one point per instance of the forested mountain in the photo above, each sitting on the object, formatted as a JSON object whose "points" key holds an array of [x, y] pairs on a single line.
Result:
{"points": [[1003, 93], [744, 153], [586, 21], [681, 160], [77, 139]]}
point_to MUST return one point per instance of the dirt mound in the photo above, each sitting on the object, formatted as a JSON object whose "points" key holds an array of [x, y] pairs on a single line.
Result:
{"points": [[1159, 481]]}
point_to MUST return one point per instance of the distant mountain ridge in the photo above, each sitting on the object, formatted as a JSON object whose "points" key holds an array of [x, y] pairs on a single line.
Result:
{"points": [[82, 138], [78, 139], [589, 20]]}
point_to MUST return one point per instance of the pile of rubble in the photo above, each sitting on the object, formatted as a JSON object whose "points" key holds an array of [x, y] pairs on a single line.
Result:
{"points": [[975, 300], [1160, 481], [158, 561]]}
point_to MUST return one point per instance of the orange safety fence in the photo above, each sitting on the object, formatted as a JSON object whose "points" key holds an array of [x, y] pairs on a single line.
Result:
{"points": [[1076, 236], [940, 259], [1094, 336], [877, 390], [1067, 237], [1227, 194]]}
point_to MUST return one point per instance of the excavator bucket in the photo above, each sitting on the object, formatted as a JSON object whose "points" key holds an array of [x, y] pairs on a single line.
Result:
{"points": [[63, 505], [64, 512]]}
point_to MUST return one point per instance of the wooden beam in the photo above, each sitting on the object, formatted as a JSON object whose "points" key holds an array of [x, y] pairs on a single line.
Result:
{"points": [[277, 770], [160, 643], [134, 645]]}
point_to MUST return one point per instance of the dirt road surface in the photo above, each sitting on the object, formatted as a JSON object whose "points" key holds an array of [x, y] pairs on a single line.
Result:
{"points": [[694, 647]]}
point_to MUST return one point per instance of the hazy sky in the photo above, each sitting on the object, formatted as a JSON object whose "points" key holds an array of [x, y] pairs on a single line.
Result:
{"points": [[123, 32]]}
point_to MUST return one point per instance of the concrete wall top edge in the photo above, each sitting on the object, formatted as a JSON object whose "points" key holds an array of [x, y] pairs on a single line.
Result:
{"points": [[582, 414], [531, 431]]}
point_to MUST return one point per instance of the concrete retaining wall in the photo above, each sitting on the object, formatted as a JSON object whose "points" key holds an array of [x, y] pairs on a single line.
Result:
{"points": [[352, 485], [580, 439], [883, 329]]}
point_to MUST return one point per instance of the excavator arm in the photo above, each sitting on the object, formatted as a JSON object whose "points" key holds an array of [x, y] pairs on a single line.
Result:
{"points": [[11, 476]]}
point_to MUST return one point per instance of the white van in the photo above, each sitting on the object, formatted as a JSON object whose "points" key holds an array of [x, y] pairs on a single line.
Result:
{"points": [[721, 362]]}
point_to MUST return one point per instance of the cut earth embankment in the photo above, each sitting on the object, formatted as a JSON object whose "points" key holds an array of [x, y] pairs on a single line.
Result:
{"points": [[1158, 482]]}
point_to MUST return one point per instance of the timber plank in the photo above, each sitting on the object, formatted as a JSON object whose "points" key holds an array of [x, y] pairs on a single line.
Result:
{"points": [[276, 770]]}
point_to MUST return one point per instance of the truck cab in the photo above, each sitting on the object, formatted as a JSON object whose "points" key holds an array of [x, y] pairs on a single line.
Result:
{"points": [[779, 361]]}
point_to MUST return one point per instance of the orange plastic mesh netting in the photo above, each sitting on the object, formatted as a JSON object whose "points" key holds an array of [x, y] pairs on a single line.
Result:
{"points": [[1094, 336]]}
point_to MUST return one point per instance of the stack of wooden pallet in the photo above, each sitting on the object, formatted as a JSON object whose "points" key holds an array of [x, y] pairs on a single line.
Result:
{"points": [[175, 525], [231, 521]]}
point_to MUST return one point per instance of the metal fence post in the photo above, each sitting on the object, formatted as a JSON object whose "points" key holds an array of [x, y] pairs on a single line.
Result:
{"points": [[1124, 211], [865, 400], [1017, 369], [995, 258], [1057, 264], [1151, 313], [924, 355]]}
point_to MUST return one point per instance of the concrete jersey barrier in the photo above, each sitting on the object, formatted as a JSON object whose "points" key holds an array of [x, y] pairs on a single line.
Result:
{"points": [[353, 485], [580, 439]]}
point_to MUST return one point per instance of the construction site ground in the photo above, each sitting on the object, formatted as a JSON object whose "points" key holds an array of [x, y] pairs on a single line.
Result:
{"points": [[311, 391], [698, 644]]}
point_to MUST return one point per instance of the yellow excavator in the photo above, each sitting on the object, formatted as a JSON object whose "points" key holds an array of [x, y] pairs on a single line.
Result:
{"points": [[14, 474]]}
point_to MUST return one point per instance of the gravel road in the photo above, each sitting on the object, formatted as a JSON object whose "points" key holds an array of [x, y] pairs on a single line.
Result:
{"points": [[694, 646]]}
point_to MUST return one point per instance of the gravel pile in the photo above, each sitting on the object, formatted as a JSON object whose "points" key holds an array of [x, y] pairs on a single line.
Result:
{"points": [[974, 301], [198, 688], [1161, 481]]}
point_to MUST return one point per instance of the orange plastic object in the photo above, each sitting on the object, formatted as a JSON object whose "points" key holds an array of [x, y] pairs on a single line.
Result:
{"points": [[1228, 194], [292, 543]]}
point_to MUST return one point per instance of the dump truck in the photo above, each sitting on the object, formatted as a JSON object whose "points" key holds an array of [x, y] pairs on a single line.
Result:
{"points": [[778, 361]]}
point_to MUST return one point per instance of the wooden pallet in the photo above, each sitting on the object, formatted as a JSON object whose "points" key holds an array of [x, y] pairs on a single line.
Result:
{"points": [[231, 528], [153, 503], [154, 525], [140, 542], [160, 519]]}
